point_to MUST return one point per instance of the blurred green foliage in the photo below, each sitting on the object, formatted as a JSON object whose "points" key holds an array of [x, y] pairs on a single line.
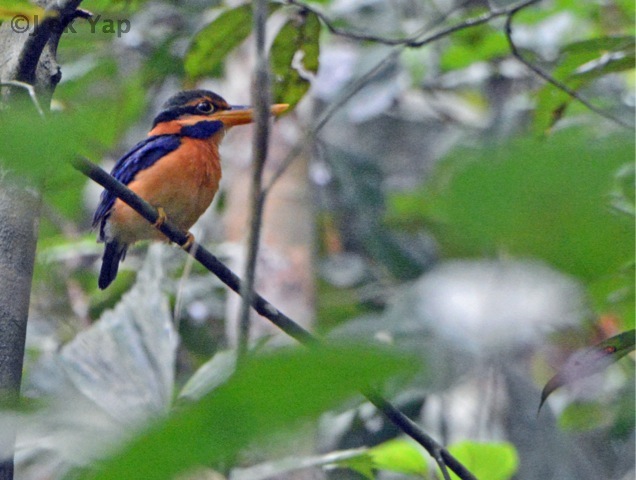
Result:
{"points": [[484, 43], [266, 394], [567, 199], [11, 8], [215, 41], [336, 305], [582, 416], [89, 123], [400, 455], [494, 461], [298, 38], [540, 198], [579, 64]]}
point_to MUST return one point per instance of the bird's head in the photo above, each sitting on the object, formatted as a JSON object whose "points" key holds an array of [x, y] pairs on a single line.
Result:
{"points": [[192, 106]]}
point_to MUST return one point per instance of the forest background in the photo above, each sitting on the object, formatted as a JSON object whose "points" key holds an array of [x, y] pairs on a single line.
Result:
{"points": [[449, 204]]}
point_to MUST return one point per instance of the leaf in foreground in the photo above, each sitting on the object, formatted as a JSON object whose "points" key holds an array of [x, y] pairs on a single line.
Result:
{"points": [[589, 361], [265, 394], [400, 455], [20, 8], [529, 198], [492, 461]]}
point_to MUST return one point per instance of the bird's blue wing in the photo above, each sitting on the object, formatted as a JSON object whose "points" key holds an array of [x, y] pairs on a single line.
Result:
{"points": [[140, 157]]}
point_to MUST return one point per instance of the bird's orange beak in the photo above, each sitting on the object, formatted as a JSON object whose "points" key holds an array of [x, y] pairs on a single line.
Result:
{"points": [[240, 115]]}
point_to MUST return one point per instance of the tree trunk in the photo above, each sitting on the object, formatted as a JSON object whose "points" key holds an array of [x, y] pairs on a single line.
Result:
{"points": [[26, 58], [18, 237]]}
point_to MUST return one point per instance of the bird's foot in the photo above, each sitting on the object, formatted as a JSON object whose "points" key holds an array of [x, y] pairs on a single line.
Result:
{"points": [[189, 242], [161, 217]]}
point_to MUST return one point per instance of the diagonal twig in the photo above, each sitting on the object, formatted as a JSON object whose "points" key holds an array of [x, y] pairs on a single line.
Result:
{"points": [[416, 40], [266, 309], [330, 111], [549, 78]]}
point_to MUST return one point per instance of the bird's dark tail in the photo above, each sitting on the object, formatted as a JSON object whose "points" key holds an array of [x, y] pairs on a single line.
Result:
{"points": [[113, 254]]}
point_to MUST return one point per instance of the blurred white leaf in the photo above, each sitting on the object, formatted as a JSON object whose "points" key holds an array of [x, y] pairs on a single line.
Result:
{"points": [[125, 361], [210, 375], [487, 307], [465, 312]]}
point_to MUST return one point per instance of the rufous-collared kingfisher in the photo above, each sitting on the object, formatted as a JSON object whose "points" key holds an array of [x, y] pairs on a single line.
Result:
{"points": [[177, 169]]}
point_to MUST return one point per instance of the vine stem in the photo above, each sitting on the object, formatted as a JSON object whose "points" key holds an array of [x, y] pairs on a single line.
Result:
{"points": [[261, 100]]}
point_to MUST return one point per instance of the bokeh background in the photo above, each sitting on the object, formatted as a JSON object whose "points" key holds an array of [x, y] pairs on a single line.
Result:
{"points": [[447, 203]]}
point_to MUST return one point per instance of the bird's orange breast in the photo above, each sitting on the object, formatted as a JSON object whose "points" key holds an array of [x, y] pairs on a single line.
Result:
{"points": [[183, 183]]}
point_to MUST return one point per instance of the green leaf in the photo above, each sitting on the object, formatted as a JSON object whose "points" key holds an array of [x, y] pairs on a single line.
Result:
{"points": [[212, 44], [38, 150], [210, 375], [10, 9], [336, 305], [113, 5], [494, 461], [585, 416], [399, 455], [266, 394], [589, 361], [300, 35], [530, 198], [361, 463], [472, 45], [579, 64]]}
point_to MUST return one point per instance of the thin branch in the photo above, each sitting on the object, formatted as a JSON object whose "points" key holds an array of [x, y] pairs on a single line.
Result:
{"points": [[329, 112], [264, 308], [416, 40], [342, 99], [261, 100], [549, 78]]}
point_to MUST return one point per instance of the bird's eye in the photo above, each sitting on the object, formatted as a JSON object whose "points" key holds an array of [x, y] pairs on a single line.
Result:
{"points": [[205, 107]]}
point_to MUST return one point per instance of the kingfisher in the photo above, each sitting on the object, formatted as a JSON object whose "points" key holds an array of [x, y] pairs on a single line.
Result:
{"points": [[177, 169]]}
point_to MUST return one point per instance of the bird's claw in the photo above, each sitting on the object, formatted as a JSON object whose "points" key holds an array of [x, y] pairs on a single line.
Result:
{"points": [[161, 217], [189, 242]]}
